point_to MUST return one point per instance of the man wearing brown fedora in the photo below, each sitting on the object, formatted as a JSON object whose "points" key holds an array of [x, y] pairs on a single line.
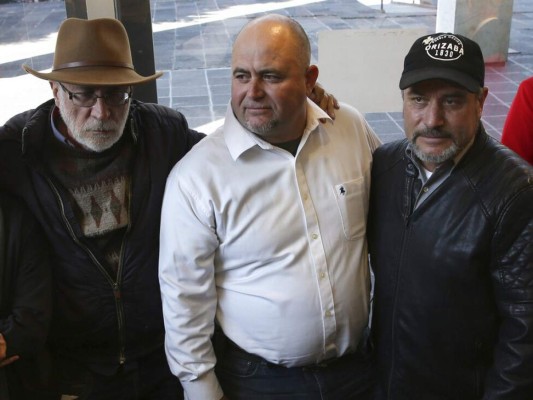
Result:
{"points": [[92, 165]]}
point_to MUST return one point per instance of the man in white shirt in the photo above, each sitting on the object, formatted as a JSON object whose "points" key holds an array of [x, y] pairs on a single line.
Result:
{"points": [[263, 235]]}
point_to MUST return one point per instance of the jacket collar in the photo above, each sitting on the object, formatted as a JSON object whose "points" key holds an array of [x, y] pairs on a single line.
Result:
{"points": [[475, 148]]}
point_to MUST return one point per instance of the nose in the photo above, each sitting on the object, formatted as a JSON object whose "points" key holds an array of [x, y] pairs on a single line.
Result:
{"points": [[433, 114], [255, 89], [100, 110]]}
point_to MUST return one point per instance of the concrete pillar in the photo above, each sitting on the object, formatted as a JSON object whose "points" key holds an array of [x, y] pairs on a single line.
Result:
{"points": [[136, 17], [488, 22], [363, 67]]}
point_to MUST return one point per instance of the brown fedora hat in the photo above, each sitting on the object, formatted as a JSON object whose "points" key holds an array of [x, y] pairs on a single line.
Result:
{"points": [[93, 53]]}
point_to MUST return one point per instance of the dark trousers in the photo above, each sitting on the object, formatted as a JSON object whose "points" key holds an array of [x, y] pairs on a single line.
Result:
{"points": [[147, 378], [245, 376]]}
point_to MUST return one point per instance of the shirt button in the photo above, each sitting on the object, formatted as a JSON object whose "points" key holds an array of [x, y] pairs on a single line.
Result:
{"points": [[314, 236], [322, 275], [425, 189], [328, 313], [305, 197]]}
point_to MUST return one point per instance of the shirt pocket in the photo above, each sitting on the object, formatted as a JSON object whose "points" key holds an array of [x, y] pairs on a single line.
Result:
{"points": [[352, 203]]}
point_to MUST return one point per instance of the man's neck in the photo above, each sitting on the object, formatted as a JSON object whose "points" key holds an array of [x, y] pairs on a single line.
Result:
{"points": [[291, 146]]}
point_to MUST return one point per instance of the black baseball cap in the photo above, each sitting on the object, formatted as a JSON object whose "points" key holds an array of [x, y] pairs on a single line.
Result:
{"points": [[445, 56]]}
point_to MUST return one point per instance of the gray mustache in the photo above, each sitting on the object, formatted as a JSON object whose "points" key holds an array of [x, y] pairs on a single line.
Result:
{"points": [[432, 133]]}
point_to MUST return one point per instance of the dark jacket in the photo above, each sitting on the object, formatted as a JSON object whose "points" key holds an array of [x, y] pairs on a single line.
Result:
{"points": [[25, 296], [99, 322], [453, 316]]}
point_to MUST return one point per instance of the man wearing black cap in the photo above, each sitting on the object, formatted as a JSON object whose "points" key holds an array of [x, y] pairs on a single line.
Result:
{"points": [[450, 235]]}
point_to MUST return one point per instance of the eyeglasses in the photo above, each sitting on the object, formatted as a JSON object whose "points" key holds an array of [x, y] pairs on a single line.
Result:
{"points": [[88, 99]]}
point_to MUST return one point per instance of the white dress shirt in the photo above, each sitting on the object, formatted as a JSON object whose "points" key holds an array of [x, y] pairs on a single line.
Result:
{"points": [[270, 244]]}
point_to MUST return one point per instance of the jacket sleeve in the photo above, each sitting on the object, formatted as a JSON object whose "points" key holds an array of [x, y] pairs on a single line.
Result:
{"points": [[26, 317], [511, 375]]}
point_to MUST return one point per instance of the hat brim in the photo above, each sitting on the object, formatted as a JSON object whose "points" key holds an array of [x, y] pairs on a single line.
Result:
{"points": [[94, 76], [412, 77]]}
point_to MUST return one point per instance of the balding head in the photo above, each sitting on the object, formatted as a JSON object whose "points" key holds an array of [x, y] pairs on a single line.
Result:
{"points": [[285, 29], [272, 78]]}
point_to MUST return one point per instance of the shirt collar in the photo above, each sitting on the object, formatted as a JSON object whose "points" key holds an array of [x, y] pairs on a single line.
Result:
{"points": [[54, 116], [239, 139]]}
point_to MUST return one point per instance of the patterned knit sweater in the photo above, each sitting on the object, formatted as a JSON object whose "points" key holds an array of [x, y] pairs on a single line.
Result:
{"points": [[99, 189]]}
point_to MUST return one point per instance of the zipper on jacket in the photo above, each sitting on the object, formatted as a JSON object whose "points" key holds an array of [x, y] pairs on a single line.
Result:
{"points": [[114, 285], [120, 321], [407, 208], [394, 312], [411, 174]]}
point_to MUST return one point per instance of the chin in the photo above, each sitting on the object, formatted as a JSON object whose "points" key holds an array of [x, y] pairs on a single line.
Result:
{"points": [[99, 146], [440, 157]]}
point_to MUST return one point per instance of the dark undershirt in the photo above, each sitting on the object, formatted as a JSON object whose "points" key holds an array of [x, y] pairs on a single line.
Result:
{"points": [[291, 146]]}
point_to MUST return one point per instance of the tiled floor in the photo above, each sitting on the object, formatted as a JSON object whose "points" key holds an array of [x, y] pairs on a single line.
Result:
{"points": [[192, 44]]}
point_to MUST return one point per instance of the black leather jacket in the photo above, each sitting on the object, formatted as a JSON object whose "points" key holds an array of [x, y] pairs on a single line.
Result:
{"points": [[97, 321], [453, 316]]}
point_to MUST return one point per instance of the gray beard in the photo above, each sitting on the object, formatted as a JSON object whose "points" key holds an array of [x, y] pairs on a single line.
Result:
{"points": [[85, 140], [446, 155], [264, 129]]}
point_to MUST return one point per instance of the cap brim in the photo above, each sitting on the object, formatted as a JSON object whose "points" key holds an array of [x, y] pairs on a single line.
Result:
{"points": [[412, 77], [94, 76]]}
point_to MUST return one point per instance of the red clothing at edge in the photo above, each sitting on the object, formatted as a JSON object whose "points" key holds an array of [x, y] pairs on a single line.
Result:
{"points": [[518, 129]]}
